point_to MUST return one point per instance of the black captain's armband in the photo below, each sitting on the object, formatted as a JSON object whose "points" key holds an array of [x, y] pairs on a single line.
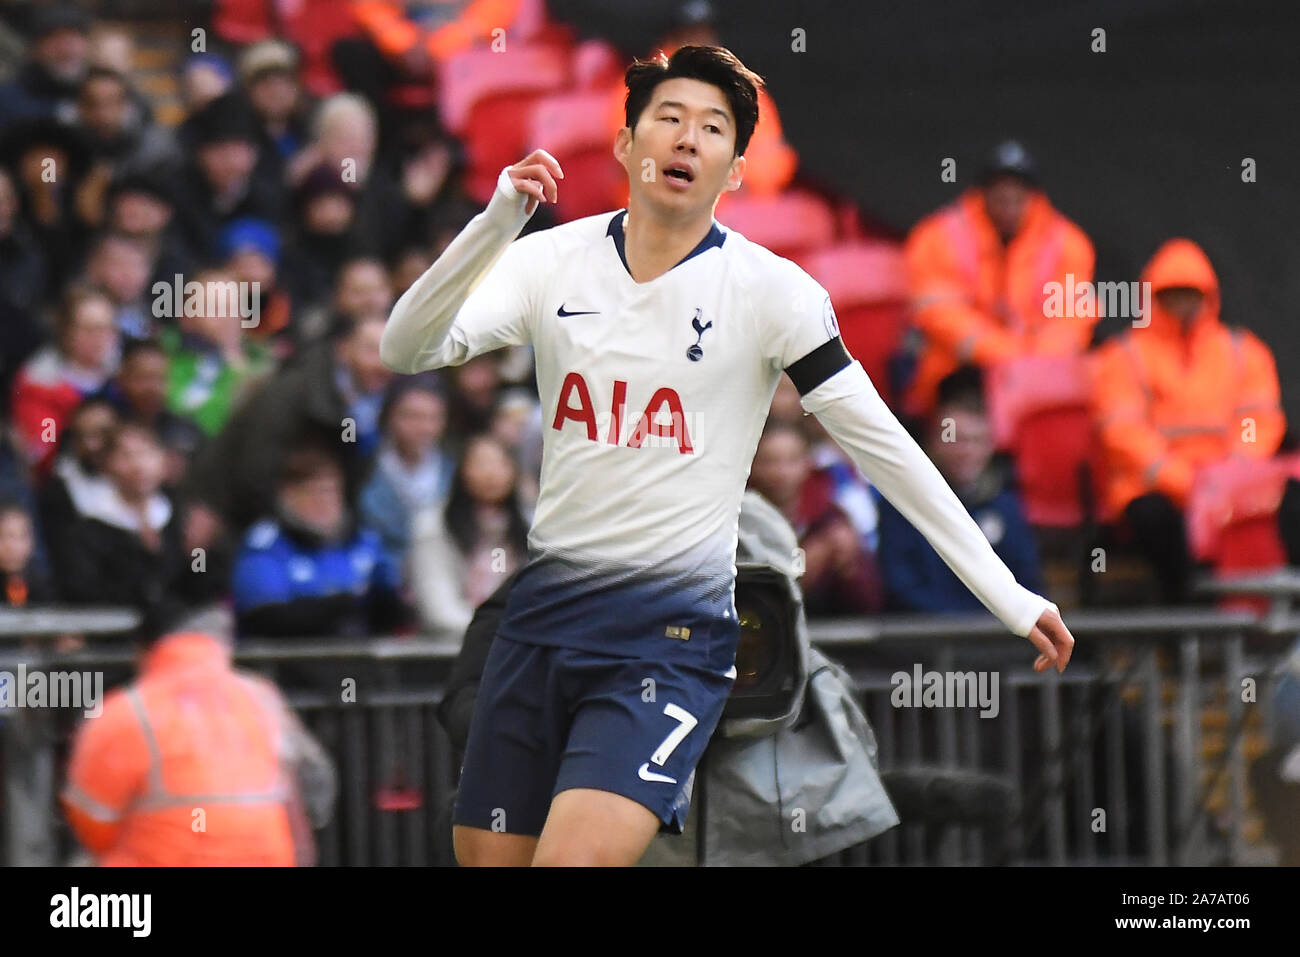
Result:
{"points": [[819, 365]]}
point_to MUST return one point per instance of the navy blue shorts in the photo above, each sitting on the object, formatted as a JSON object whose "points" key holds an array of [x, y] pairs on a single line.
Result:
{"points": [[548, 719]]}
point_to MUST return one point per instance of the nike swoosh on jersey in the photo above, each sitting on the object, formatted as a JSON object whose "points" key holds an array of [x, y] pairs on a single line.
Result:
{"points": [[645, 774], [563, 313]]}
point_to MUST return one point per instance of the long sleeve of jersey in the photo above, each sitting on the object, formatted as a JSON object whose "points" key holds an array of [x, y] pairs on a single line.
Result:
{"points": [[475, 298], [848, 405]]}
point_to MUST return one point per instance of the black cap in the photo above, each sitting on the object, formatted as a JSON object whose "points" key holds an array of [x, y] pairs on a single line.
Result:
{"points": [[1010, 158], [59, 16], [228, 117], [150, 182]]}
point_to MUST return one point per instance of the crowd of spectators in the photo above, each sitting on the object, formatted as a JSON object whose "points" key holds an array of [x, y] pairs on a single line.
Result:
{"points": [[253, 448]]}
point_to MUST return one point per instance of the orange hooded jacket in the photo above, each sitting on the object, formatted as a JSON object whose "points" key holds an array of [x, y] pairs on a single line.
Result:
{"points": [[1168, 400], [184, 767], [389, 29], [977, 301]]}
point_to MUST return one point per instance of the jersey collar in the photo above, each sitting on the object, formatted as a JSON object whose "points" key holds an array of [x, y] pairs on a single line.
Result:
{"points": [[714, 237]]}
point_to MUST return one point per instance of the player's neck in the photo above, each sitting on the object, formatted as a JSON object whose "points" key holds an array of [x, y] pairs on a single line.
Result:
{"points": [[654, 245]]}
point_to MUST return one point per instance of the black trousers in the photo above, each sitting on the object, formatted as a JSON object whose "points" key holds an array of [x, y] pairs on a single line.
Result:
{"points": [[1160, 535]]}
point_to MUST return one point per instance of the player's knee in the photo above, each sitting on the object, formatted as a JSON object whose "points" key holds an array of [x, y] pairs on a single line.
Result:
{"points": [[475, 847], [576, 855]]}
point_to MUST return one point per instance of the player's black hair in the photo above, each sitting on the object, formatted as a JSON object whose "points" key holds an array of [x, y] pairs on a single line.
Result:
{"points": [[714, 65]]}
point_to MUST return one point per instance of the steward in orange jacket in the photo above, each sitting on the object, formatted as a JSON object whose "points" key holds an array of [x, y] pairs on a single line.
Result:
{"points": [[977, 271], [449, 27], [1186, 390], [196, 764], [1182, 392]]}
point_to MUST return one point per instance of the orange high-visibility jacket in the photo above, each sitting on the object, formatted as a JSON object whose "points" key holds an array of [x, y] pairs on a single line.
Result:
{"points": [[386, 24], [184, 767], [977, 301], [1168, 400], [770, 162]]}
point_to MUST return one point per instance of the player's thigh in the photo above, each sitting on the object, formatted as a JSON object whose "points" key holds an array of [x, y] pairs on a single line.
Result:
{"points": [[516, 741], [476, 847], [590, 828]]}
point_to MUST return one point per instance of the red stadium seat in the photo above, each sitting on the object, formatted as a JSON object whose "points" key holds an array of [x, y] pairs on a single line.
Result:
{"points": [[1040, 408], [866, 283], [791, 224], [1232, 514], [573, 128], [486, 99]]}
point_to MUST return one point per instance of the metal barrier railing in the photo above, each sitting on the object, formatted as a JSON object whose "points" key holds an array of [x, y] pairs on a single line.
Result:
{"points": [[1107, 762]]}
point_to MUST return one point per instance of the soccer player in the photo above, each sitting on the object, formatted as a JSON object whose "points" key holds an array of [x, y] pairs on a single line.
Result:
{"points": [[659, 337]]}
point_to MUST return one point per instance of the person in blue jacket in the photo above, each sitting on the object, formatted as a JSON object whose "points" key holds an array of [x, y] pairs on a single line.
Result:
{"points": [[960, 443], [310, 570]]}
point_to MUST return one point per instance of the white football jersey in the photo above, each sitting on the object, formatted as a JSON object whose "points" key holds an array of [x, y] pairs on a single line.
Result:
{"points": [[653, 399]]}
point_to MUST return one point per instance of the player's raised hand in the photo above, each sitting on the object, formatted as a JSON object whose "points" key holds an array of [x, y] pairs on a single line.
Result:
{"points": [[535, 175], [1053, 639]]}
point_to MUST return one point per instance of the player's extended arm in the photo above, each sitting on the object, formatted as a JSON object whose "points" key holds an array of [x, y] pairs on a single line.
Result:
{"points": [[418, 333], [848, 405]]}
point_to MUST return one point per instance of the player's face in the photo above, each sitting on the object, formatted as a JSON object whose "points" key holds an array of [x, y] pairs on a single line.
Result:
{"points": [[681, 156]]}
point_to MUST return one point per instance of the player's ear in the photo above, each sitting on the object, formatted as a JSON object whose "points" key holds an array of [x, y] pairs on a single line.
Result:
{"points": [[736, 175], [623, 145]]}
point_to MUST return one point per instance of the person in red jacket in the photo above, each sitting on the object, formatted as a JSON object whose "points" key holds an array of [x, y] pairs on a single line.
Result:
{"points": [[54, 381]]}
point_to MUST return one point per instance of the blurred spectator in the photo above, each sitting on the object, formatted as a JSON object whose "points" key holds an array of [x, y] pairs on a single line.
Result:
{"points": [[976, 272], [412, 470], [333, 381], [192, 731], [324, 212], [55, 380], [473, 396], [140, 206], [127, 541], [220, 183], [363, 289], [119, 133], [22, 285], [517, 425], [250, 251], [204, 78], [839, 576], [139, 393], [462, 550], [960, 443], [210, 360], [411, 263], [309, 570], [1173, 396], [56, 60], [23, 585], [268, 71], [50, 161], [121, 266], [345, 142], [77, 478]]}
